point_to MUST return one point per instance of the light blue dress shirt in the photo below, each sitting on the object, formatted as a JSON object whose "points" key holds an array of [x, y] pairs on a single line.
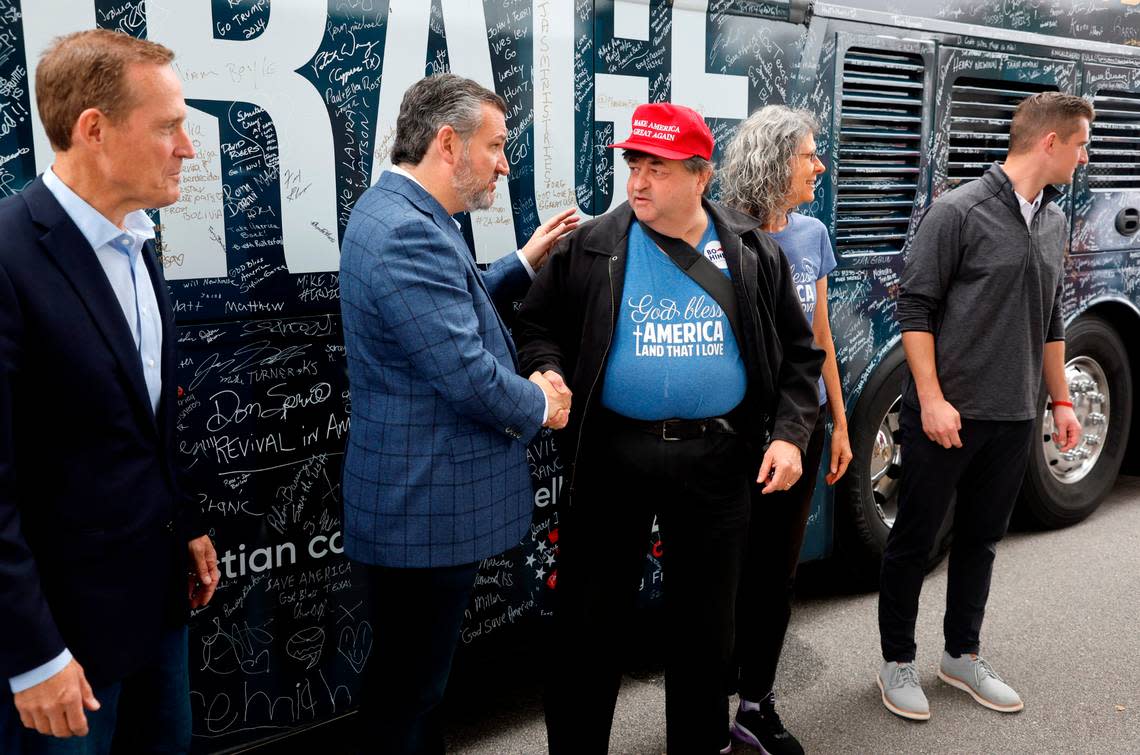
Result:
{"points": [[119, 251]]}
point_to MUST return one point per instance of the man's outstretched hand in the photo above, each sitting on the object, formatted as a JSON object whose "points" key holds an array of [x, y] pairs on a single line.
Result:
{"points": [[538, 247], [557, 398]]}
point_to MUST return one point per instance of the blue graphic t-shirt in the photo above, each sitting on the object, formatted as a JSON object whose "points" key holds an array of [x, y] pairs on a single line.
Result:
{"points": [[808, 249], [673, 353]]}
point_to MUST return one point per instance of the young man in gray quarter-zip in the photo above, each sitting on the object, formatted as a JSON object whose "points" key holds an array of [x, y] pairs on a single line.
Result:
{"points": [[675, 320], [980, 311]]}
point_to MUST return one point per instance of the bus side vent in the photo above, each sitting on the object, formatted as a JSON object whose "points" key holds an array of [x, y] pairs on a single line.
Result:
{"points": [[1114, 155], [980, 113], [880, 135]]}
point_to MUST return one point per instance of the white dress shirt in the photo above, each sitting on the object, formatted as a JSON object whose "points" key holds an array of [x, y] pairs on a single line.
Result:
{"points": [[1029, 209]]}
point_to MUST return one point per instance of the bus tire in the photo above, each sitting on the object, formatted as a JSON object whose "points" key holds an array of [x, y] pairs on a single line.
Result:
{"points": [[1061, 490], [867, 499]]}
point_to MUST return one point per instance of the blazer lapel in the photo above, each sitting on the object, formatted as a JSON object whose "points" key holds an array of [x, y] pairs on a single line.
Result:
{"points": [[77, 261], [428, 204], [447, 225], [464, 251]]}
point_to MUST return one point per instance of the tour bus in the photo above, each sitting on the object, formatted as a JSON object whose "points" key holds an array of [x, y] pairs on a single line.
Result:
{"points": [[292, 107]]}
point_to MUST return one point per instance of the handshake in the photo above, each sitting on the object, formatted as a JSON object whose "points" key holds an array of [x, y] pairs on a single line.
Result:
{"points": [[557, 398]]}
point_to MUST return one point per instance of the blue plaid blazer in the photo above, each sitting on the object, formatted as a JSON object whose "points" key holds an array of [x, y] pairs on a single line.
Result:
{"points": [[435, 470]]}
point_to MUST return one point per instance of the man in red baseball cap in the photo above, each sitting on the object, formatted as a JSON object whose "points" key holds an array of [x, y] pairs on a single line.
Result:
{"points": [[678, 322]]}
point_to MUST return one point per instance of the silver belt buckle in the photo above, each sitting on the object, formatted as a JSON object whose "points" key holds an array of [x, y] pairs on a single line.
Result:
{"points": [[665, 431]]}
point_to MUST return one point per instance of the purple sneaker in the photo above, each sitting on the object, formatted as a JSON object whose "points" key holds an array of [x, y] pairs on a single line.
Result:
{"points": [[763, 730]]}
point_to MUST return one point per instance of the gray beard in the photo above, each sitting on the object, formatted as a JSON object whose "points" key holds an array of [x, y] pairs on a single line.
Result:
{"points": [[471, 190]]}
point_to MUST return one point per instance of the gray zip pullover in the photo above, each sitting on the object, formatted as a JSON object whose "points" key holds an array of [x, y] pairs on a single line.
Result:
{"points": [[989, 288]]}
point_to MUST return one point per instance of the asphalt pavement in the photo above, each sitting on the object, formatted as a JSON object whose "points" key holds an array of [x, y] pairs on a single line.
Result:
{"points": [[1062, 627]]}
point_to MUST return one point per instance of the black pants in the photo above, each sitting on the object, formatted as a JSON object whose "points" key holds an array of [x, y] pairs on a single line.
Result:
{"points": [[698, 490], [986, 474], [416, 617], [764, 601]]}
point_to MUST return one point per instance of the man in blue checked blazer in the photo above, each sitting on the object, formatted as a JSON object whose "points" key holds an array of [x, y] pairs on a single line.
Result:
{"points": [[435, 474]]}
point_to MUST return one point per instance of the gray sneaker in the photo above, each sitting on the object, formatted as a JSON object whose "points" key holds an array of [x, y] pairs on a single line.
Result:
{"points": [[902, 693], [974, 675]]}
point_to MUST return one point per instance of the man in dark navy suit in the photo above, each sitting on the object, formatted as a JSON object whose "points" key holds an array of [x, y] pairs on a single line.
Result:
{"points": [[101, 554], [435, 473]]}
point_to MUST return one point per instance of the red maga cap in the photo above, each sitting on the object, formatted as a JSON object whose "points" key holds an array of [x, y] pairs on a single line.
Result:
{"points": [[674, 132]]}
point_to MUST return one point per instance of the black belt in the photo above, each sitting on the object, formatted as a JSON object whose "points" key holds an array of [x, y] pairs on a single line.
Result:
{"points": [[679, 429]]}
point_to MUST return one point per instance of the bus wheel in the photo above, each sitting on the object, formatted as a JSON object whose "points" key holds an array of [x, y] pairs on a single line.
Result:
{"points": [[867, 501], [1063, 488]]}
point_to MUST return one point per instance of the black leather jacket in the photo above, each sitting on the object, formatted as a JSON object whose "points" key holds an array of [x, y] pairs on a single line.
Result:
{"points": [[567, 322]]}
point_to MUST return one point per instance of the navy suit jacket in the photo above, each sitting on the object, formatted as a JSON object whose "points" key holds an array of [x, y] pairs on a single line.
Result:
{"points": [[435, 472], [92, 529]]}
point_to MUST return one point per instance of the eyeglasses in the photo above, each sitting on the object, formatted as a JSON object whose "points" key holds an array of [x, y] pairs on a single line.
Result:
{"points": [[811, 156]]}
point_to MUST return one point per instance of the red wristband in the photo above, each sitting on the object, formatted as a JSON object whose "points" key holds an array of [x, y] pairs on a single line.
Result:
{"points": [[1063, 403]]}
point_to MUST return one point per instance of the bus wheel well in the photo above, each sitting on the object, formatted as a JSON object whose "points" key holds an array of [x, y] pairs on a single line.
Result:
{"points": [[1126, 322]]}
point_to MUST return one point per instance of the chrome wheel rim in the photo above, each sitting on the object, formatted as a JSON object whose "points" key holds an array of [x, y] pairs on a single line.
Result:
{"points": [[1088, 390], [886, 465]]}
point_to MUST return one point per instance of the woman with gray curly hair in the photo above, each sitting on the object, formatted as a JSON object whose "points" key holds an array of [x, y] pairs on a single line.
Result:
{"points": [[769, 170]]}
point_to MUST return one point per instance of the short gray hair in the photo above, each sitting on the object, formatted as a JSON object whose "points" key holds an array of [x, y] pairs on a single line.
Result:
{"points": [[434, 102], [756, 173]]}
